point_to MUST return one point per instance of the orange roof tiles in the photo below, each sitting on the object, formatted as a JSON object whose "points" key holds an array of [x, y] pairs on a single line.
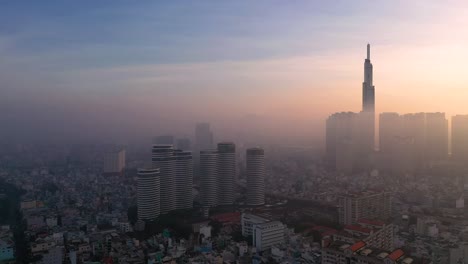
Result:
{"points": [[357, 246], [395, 255]]}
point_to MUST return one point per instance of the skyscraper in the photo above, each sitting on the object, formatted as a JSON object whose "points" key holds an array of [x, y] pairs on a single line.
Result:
{"points": [[226, 172], [163, 158], [255, 176], [183, 179], [368, 89], [366, 120], [148, 196], [203, 136], [460, 138], [209, 189]]}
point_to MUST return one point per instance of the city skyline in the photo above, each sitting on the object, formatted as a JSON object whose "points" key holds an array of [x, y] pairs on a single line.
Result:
{"points": [[308, 65]]}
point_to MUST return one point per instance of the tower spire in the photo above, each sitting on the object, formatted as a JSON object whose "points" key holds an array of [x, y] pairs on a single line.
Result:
{"points": [[368, 51]]}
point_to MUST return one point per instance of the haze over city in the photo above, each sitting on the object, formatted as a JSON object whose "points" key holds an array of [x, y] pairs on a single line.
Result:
{"points": [[233, 132], [125, 71]]}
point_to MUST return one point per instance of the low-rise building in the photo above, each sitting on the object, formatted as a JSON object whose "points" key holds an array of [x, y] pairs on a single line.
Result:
{"points": [[266, 235]]}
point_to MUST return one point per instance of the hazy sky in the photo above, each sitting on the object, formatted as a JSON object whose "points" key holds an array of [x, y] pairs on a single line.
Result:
{"points": [[85, 69]]}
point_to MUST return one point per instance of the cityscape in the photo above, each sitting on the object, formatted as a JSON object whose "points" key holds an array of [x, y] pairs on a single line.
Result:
{"points": [[177, 186]]}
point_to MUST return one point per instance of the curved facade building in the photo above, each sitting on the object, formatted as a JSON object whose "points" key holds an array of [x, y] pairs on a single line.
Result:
{"points": [[183, 179], [163, 158], [255, 176], [209, 178], [226, 172], [148, 194]]}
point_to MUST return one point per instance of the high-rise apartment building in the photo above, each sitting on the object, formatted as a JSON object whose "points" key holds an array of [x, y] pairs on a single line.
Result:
{"points": [[209, 189], [412, 141], [364, 205], [163, 158], [226, 172], [203, 137], [148, 196], [340, 140], [114, 162], [436, 145], [255, 173], [460, 138], [183, 179]]}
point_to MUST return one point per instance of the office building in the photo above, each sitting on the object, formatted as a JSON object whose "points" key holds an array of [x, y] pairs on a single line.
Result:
{"points": [[266, 235], [255, 173], [114, 162], [460, 138], [209, 189], [226, 172], [365, 205], [203, 137], [183, 179], [163, 158], [148, 194], [248, 222]]}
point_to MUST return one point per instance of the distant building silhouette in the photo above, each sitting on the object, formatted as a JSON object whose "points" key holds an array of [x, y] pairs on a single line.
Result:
{"points": [[148, 196], [340, 139], [460, 138], [114, 162], [203, 137], [365, 137], [412, 141], [350, 136], [368, 89]]}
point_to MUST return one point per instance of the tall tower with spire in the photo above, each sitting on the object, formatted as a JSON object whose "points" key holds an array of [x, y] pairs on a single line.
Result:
{"points": [[368, 89], [365, 144]]}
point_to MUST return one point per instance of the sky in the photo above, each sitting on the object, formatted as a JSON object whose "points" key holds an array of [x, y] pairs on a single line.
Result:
{"points": [[120, 70]]}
